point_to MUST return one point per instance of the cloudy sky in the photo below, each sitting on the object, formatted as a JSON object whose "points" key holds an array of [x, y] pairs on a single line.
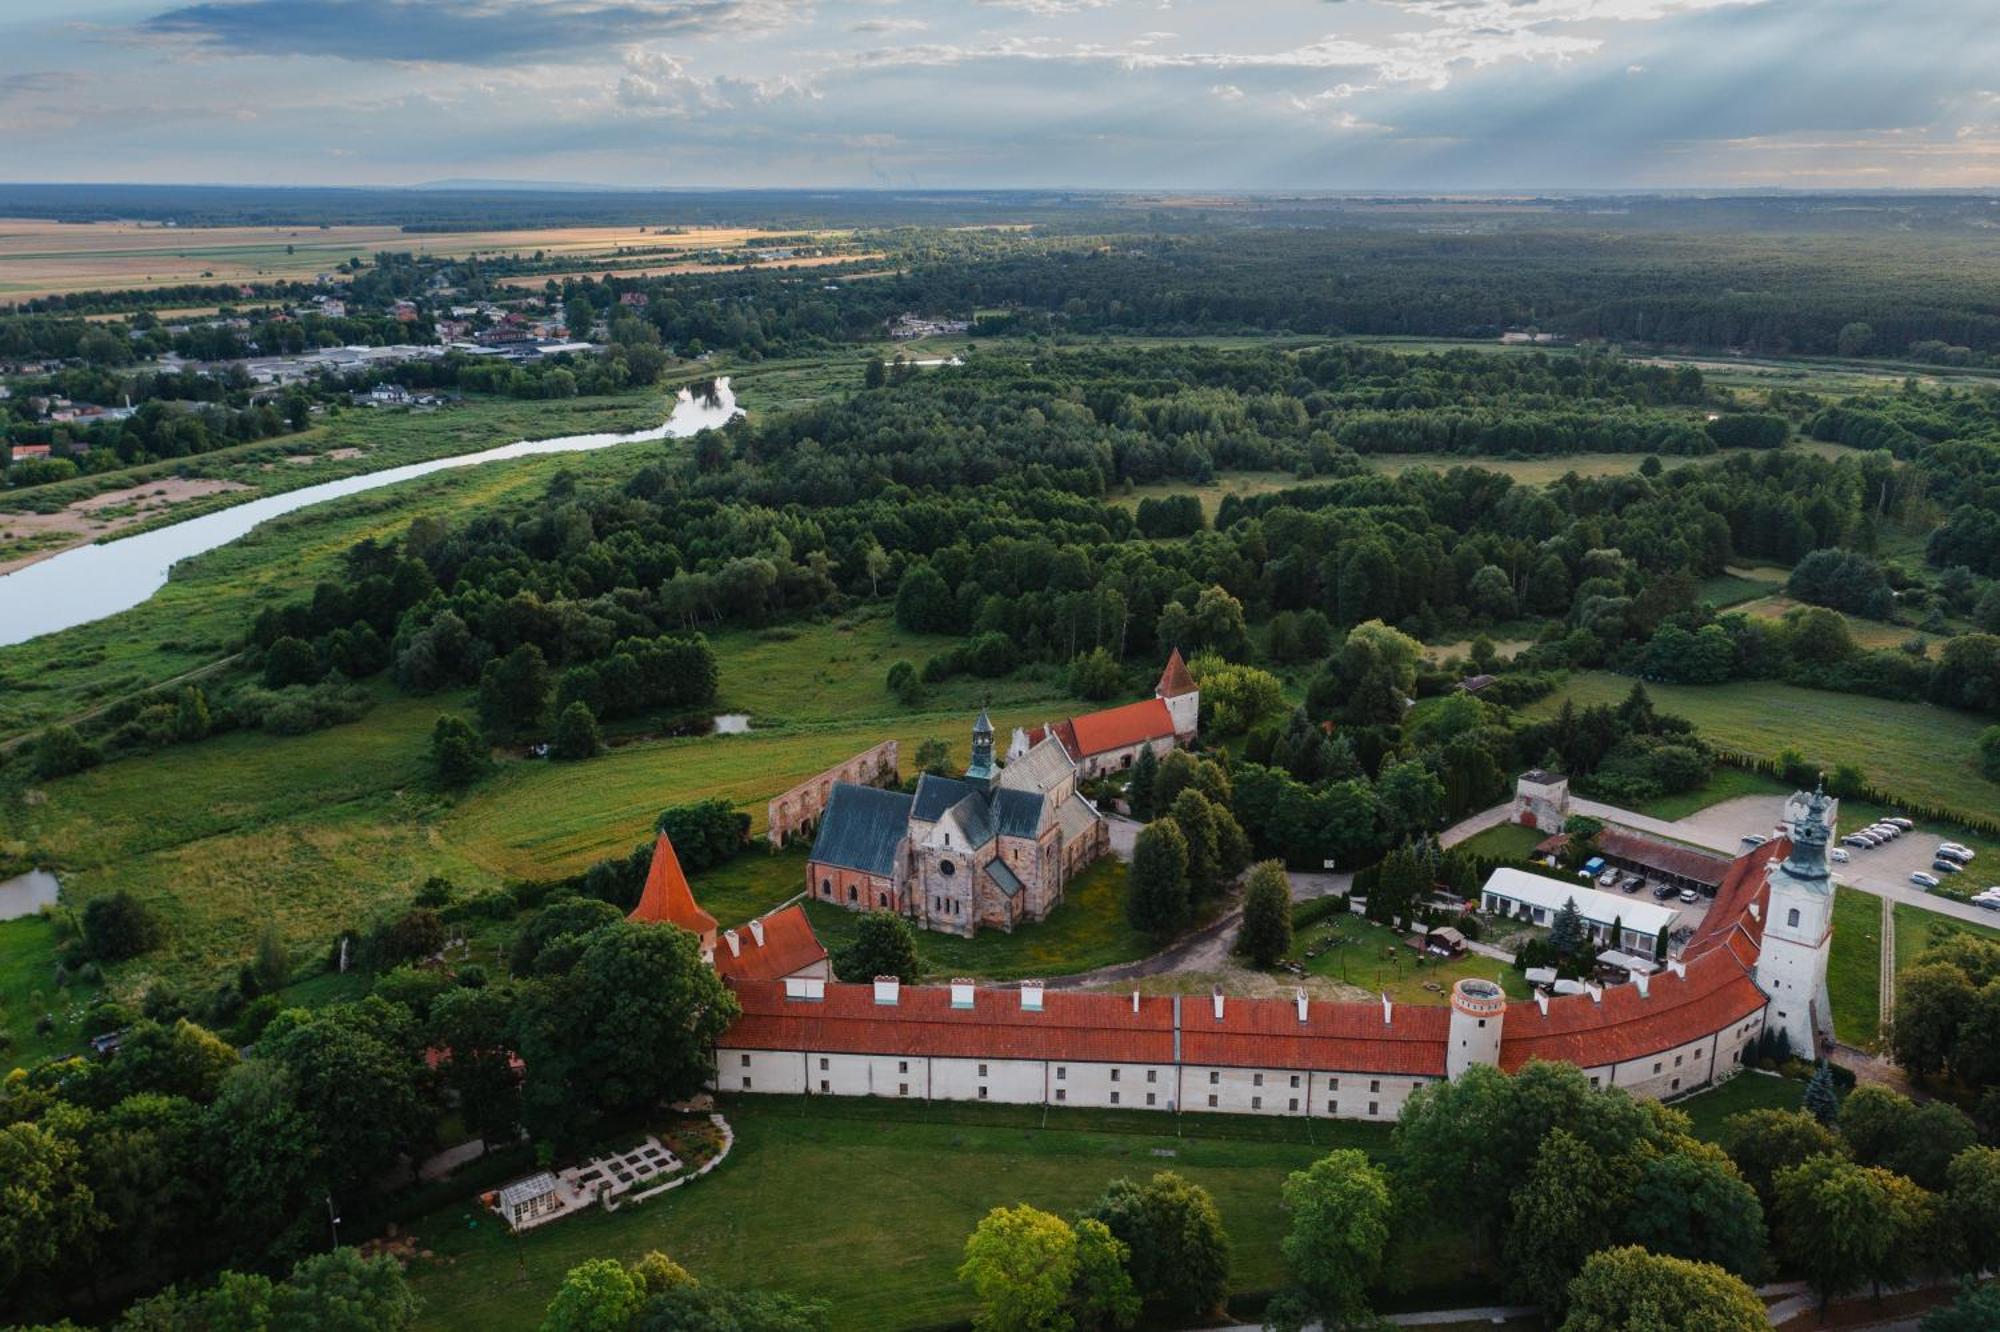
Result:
{"points": [[1141, 94]]}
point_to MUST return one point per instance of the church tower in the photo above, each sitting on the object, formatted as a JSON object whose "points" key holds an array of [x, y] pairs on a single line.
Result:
{"points": [[1798, 931], [1177, 690], [982, 771]]}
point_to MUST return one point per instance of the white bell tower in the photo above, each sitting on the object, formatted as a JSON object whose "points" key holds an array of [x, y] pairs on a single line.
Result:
{"points": [[1798, 931]]}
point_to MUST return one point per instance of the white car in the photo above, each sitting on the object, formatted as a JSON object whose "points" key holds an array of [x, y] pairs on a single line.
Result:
{"points": [[1923, 880], [1956, 850], [1838, 856], [1990, 901]]}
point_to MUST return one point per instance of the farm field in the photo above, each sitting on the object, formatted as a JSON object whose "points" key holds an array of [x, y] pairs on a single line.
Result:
{"points": [[1854, 969], [39, 258], [1921, 753], [536, 281]]}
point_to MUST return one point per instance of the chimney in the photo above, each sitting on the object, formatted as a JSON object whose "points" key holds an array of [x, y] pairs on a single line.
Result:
{"points": [[757, 931], [1031, 996], [1542, 1001], [1135, 1001], [735, 943], [887, 989], [1644, 982], [1388, 1010], [809, 988], [1299, 997], [1217, 997], [961, 993], [1678, 967]]}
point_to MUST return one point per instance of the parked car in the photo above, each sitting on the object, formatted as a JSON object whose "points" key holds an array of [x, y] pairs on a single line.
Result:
{"points": [[1755, 839], [1944, 866], [1838, 856], [1690, 895], [1900, 822], [1855, 840], [1956, 854], [1923, 880], [1990, 899], [1607, 879], [1663, 892], [1632, 883], [1886, 832]]}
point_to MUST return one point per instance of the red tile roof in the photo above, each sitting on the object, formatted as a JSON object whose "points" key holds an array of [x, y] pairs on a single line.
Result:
{"points": [[1667, 857], [1352, 1038], [789, 946], [1625, 1024], [1100, 1028], [667, 898], [1116, 728], [1174, 680]]}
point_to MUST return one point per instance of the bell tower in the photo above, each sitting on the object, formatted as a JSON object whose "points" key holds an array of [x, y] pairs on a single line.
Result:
{"points": [[1798, 931], [982, 770]]}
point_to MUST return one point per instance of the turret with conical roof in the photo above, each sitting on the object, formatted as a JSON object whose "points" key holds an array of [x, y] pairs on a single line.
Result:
{"points": [[982, 769], [1179, 692]]}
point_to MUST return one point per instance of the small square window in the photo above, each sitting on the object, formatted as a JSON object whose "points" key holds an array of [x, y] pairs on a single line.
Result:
{"points": [[1375, 1084], [1295, 1103], [1256, 1079], [982, 1070], [1677, 1061], [1061, 1094], [1061, 1073], [982, 1093], [1213, 1077], [822, 1084], [1114, 1098], [1371, 1107], [1333, 1084], [822, 1065], [1211, 1100], [1295, 1079], [1152, 1075], [746, 1084], [1114, 1075], [1656, 1066], [1333, 1107], [1149, 1098], [902, 1065], [1677, 1084], [746, 1061], [902, 1089], [1256, 1103]]}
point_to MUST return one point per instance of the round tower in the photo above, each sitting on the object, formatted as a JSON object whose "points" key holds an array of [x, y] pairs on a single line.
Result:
{"points": [[1478, 1007]]}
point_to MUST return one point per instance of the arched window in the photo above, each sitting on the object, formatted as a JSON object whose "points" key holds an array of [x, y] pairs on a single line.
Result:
{"points": [[826, 887], [1792, 916], [852, 896]]}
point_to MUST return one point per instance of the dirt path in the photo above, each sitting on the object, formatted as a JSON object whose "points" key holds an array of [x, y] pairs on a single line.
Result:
{"points": [[12, 742]]}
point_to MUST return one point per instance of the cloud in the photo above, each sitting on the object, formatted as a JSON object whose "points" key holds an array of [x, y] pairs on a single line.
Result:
{"points": [[1228, 92], [882, 26], [657, 83], [468, 32]]}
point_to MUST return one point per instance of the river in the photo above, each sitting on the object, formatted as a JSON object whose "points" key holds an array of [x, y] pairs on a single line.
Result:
{"points": [[90, 582]]}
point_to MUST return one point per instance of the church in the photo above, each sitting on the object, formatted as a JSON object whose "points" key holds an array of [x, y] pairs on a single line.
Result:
{"points": [[998, 846]]}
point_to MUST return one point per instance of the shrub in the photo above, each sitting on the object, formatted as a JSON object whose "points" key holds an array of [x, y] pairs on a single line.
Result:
{"points": [[576, 734], [60, 751], [119, 926]]}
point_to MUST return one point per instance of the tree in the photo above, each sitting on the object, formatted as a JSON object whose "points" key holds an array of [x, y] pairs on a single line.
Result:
{"points": [[1266, 934], [119, 926], [1491, 594], [514, 691], [1692, 1203], [1820, 1100], [1102, 1295], [46, 1205], [358, 1082], [1566, 935], [576, 734], [179, 1059], [1021, 1264], [1840, 1223], [657, 1274], [905, 685], [138, 1154], [632, 1023], [60, 751], [1196, 817], [1561, 1214], [1411, 798], [343, 1292], [1989, 747], [1156, 897], [596, 1296], [191, 720], [874, 374], [884, 945], [1340, 1208], [458, 755], [1631, 1290], [1854, 339], [934, 756], [924, 604], [1764, 1143], [1972, 1207], [1096, 675], [1370, 676], [1146, 770], [290, 661], [471, 1027], [1977, 1309], [1178, 1253]]}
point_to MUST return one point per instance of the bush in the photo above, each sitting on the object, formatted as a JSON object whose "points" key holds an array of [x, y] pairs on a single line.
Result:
{"points": [[458, 755], [704, 833], [905, 685], [576, 734], [1096, 676], [60, 751], [119, 926]]}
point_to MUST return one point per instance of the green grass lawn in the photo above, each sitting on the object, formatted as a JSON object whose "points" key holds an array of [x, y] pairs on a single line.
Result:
{"points": [[1920, 752], [1508, 841], [1728, 589], [1375, 958], [1726, 784], [1916, 928], [1748, 1090], [866, 1205], [28, 992], [1854, 969]]}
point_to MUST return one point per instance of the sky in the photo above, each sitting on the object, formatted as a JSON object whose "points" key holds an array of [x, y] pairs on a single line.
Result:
{"points": [[1189, 95]]}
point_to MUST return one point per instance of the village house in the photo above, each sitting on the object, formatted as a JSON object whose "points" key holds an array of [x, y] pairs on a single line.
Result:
{"points": [[1110, 741]]}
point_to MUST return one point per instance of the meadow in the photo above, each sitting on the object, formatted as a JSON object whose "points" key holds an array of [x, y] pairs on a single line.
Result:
{"points": [[1917, 928], [1854, 967], [1922, 753]]}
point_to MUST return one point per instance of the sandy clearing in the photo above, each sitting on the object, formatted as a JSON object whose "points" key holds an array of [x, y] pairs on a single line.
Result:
{"points": [[84, 521]]}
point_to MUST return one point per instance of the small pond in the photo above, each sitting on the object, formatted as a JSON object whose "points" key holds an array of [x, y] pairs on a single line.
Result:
{"points": [[25, 894]]}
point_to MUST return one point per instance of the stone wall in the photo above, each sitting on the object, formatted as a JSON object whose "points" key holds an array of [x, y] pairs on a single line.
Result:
{"points": [[798, 809]]}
